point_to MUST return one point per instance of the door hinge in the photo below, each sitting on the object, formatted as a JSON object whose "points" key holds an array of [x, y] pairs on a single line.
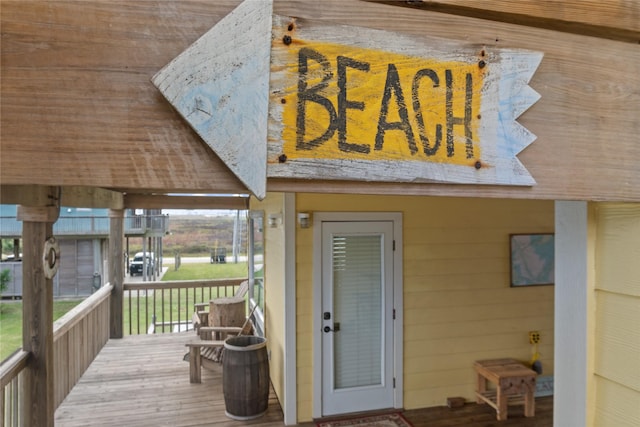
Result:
{"points": [[394, 245], [394, 314], [394, 382]]}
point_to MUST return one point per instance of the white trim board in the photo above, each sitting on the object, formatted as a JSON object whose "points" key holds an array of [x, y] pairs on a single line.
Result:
{"points": [[290, 401], [398, 326], [571, 287]]}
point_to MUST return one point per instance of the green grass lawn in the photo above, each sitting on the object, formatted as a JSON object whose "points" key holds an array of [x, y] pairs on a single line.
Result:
{"points": [[176, 303], [11, 323], [189, 271]]}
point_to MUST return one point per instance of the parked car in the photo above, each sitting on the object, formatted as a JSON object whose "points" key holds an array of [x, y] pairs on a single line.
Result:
{"points": [[136, 266]]}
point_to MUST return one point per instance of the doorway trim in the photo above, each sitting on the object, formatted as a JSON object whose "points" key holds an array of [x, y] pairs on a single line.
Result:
{"points": [[396, 219]]}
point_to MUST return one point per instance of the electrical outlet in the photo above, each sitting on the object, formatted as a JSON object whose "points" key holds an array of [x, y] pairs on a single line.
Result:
{"points": [[534, 337]]}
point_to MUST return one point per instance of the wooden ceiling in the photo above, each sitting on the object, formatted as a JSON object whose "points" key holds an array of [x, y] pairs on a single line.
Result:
{"points": [[80, 113]]}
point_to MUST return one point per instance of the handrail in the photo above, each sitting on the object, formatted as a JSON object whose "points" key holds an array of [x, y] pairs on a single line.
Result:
{"points": [[11, 379], [159, 307], [75, 352], [184, 284], [78, 337], [12, 366], [76, 314]]}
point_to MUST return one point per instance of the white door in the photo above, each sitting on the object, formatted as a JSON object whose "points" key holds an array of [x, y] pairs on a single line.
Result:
{"points": [[357, 316]]}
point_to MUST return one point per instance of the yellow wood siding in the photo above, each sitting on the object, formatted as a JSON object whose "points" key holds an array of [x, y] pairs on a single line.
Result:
{"points": [[458, 305], [616, 405], [304, 322], [616, 361]]}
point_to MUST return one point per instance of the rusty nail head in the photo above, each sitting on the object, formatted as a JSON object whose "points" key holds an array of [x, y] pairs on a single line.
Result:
{"points": [[286, 40], [283, 101], [291, 27], [282, 158], [478, 165], [481, 64]]}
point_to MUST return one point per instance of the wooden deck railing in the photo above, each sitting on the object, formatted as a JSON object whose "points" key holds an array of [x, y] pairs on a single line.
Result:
{"points": [[80, 334], [11, 379], [78, 337], [94, 225], [160, 307]]}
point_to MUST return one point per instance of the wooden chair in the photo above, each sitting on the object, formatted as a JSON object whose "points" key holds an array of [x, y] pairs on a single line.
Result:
{"points": [[200, 316], [206, 352]]}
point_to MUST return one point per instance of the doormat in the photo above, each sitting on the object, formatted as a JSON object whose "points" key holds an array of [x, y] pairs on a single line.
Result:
{"points": [[385, 420]]}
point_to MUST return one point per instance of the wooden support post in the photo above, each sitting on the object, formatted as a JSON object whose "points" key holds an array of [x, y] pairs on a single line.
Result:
{"points": [[16, 249], [116, 270], [126, 267], [37, 315], [150, 274], [194, 365], [144, 257]]}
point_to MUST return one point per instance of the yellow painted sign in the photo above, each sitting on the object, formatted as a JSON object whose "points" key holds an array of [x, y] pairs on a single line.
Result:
{"points": [[365, 104], [298, 99]]}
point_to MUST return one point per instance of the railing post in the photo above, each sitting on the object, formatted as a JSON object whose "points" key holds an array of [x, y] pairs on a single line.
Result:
{"points": [[40, 261], [116, 270]]}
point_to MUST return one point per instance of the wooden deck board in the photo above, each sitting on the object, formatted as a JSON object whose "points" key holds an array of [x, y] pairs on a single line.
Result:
{"points": [[143, 381]]}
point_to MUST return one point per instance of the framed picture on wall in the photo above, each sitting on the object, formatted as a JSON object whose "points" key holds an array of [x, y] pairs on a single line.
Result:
{"points": [[532, 259]]}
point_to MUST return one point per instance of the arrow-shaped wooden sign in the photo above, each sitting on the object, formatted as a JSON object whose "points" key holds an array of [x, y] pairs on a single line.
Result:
{"points": [[292, 98], [220, 85]]}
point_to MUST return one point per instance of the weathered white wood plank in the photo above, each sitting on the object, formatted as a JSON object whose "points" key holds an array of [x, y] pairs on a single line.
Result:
{"points": [[220, 87]]}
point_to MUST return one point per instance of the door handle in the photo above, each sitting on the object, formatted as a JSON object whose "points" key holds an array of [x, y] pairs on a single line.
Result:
{"points": [[336, 328]]}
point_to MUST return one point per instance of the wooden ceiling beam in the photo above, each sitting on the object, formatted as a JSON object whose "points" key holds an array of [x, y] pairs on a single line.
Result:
{"points": [[611, 20], [73, 196], [27, 195], [91, 197], [166, 201]]}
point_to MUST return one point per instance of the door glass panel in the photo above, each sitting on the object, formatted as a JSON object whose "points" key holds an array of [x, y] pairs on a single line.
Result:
{"points": [[357, 301]]}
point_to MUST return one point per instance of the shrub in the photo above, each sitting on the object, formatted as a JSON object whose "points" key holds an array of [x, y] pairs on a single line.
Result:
{"points": [[5, 278]]}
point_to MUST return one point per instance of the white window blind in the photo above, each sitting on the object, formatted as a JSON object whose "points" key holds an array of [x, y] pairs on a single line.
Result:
{"points": [[358, 307]]}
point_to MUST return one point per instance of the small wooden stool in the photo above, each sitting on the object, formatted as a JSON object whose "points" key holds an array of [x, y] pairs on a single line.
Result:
{"points": [[512, 379]]}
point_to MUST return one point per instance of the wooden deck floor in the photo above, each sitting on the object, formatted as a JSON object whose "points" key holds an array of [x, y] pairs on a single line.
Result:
{"points": [[143, 381]]}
